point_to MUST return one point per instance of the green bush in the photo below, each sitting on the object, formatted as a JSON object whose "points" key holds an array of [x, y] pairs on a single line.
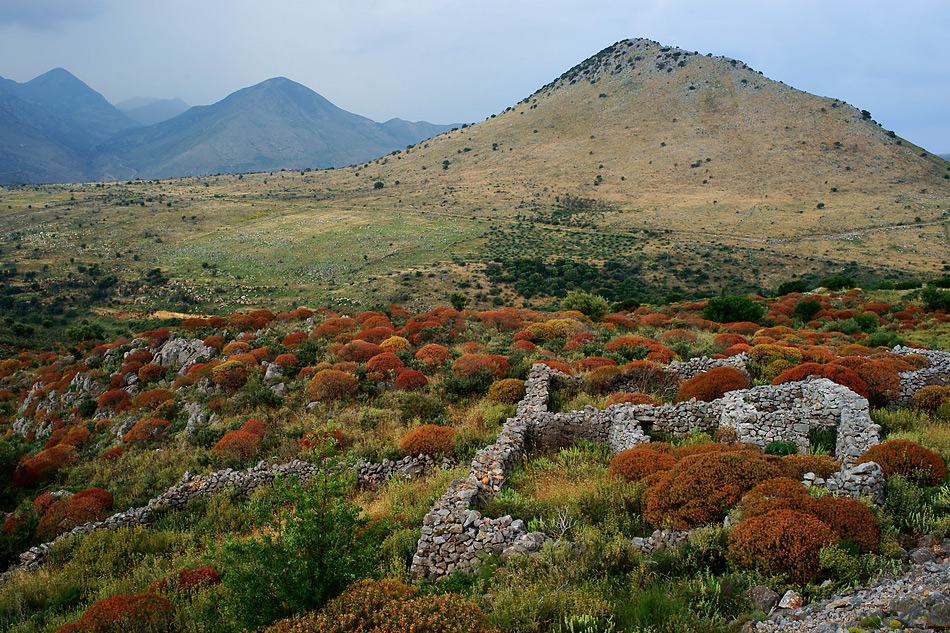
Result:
{"points": [[838, 282], [731, 309], [312, 544], [593, 306]]}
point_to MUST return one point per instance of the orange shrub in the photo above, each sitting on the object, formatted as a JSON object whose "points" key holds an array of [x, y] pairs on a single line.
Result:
{"points": [[853, 349], [111, 398], [293, 340], [884, 385], [331, 384], [150, 372], [187, 580], [113, 453], [782, 542], [795, 466], [631, 398], [237, 445], [230, 375], [727, 339], [359, 351], [558, 365], [910, 459], [917, 361], [678, 336], [410, 380], [702, 488], [433, 354], [255, 427], [429, 439], [138, 356], [32, 471], [286, 360], [636, 463], [236, 347], [850, 519], [384, 363], [778, 493], [326, 441], [699, 449], [215, 341], [152, 399], [125, 614], [836, 373], [472, 365], [397, 343], [145, 431], [374, 335], [710, 385], [588, 364], [509, 390], [931, 397]]}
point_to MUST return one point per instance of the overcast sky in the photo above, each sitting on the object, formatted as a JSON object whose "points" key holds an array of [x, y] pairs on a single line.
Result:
{"points": [[463, 60]]}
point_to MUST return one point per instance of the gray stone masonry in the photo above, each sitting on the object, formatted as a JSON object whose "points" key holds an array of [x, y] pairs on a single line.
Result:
{"points": [[938, 373]]}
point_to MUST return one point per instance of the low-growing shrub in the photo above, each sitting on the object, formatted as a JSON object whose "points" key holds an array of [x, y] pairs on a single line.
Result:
{"points": [[410, 380], [850, 519], [636, 463], [146, 431], [782, 542], [631, 398], [509, 391], [713, 384], [142, 613], [908, 459], [931, 398], [795, 466], [331, 384], [429, 439]]}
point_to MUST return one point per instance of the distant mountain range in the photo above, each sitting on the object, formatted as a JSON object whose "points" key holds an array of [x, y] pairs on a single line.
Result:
{"points": [[946, 156], [55, 128]]}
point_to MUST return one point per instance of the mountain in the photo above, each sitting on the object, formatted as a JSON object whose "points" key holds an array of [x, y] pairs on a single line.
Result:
{"points": [[944, 156], [276, 124], [147, 111]]}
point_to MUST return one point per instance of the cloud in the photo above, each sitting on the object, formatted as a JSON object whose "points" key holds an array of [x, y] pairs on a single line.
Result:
{"points": [[45, 15]]}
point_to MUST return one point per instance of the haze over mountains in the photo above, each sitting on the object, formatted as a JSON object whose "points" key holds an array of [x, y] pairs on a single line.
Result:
{"points": [[55, 128]]}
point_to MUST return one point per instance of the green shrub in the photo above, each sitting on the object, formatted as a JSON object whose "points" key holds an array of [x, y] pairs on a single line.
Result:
{"points": [[781, 448], [731, 309]]}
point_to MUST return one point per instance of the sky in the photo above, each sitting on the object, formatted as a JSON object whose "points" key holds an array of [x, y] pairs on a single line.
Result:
{"points": [[459, 61]]}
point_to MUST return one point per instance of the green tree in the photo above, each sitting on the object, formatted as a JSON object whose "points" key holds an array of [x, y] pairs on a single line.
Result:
{"points": [[730, 309], [313, 542], [806, 310], [458, 300], [593, 306], [791, 286]]}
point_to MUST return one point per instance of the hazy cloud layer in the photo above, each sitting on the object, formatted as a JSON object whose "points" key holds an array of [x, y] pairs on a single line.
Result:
{"points": [[455, 61]]}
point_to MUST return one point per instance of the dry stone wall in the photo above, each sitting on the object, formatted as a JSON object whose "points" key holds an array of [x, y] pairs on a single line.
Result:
{"points": [[938, 373]]}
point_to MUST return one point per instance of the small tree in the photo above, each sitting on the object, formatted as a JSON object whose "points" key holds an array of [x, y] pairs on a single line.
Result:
{"points": [[806, 310], [593, 306], [733, 309], [458, 300]]}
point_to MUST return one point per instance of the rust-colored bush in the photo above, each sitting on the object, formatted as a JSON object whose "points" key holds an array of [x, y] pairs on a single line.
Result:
{"points": [[138, 356], [472, 365], [782, 542], [384, 363], [795, 466], [187, 579], [509, 390], [645, 376], [778, 493], [396, 343], [215, 341], [931, 397], [255, 427], [699, 449], [324, 441], [34, 470], [111, 398], [712, 384], [603, 379], [359, 351], [910, 459], [588, 364], [142, 613], [884, 384], [836, 373], [230, 375], [331, 384], [286, 360], [700, 489], [236, 347], [917, 361], [112, 453], [375, 335], [152, 399], [429, 439], [150, 373], [678, 336], [636, 463], [410, 380], [146, 431], [237, 445], [631, 398], [433, 355], [558, 365], [849, 519], [291, 341], [387, 606]]}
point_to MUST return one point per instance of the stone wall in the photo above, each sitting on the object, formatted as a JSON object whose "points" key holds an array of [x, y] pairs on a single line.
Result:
{"points": [[938, 373]]}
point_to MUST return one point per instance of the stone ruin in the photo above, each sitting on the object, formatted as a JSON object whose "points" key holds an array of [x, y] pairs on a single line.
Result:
{"points": [[455, 534]]}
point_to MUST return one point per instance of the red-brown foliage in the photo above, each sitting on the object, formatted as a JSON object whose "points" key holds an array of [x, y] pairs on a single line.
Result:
{"points": [[780, 542], [384, 363], [699, 449], [588, 364], [433, 355], [931, 398], [331, 384], [152, 399], [260, 354], [678, 336], [509, 390], [472, 365], [410, 380], [32, 471], [75, 435], [836, 373], [187, 580], [215, 341], [255, 427], [325, 441], [146, 431], [144, 613], [237, 445], [710, 385], [150, 372], [795, 466], [291, 341], [558, 365], [850, 519], [138, 356], [702, 488], [429, 439], [113, 453], [636, 463], [230, 375], [727, 339], [910, 459], [236, 347], [778, 493], [359, 351], [631, 398], [883, 381]]}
